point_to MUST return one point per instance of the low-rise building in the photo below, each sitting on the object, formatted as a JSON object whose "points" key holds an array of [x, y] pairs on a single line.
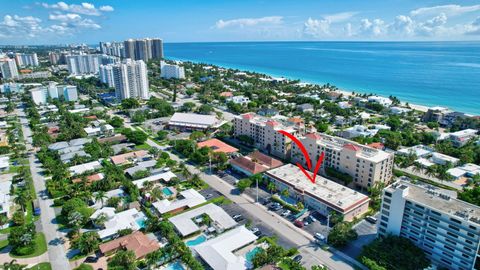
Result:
{"points": [[90, 166], [168, 71], [460, 138], [139, 243], [163, 176], [218, 252], [324, 195], [130, 157], [193, 121], [187, 223], [242, 100], [103, 130], [218, 146], [128, 219], [444, 227], [186, 199], [254, 163], [466, 170], [386, 102]]}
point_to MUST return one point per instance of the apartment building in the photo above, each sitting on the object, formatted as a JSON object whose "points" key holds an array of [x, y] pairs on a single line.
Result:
{"points": [[366, 165], [143, 49], [83, 64], [41, 94], [130, 80], [8, 68], [26, 59], [445, 228], [264, 133], [168, 71]]}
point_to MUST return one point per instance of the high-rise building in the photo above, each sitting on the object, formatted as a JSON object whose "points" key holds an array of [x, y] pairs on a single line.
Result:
{"points": [[26, 59], [168, 71], [8, 68], [106, 75], [130, 79], [365, 165], [41, 94], [54, 58], [88, 63], [113, 48], [144, 49], [447, 229]]}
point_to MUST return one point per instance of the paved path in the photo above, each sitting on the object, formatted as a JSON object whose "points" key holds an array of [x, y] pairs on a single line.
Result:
{"points": [[5, 257], [56, 250]]}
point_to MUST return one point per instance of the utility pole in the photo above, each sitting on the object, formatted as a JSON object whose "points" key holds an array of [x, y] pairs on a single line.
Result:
{"points": [[210, 162], [256, 179]]}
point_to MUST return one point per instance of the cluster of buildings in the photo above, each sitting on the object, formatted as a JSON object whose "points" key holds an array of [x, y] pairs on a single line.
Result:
{"points": [[8, 67], [129, 78], [41, 95], [85, 64]]}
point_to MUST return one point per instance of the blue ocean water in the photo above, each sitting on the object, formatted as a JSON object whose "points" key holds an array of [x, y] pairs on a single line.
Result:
{"points": [[424, 73]]}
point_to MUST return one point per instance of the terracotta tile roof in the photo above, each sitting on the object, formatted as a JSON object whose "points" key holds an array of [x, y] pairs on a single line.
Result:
{"points": [[226, 94], [123, 158], [247, 116], [314, 136], [377, 145], [137, 242], [217, 146], [352, 147], [90, 179], [256, 162], [271, 123], [295, 120], [92, 117]]}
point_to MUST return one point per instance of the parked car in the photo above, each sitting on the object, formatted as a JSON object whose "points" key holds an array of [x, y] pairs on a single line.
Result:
{"points": [[286, 213], [37, 211], [298, 223], [264, 201], [311, 219], [371, 219], [298, 258], [208, 196], [319, 236], [91, 259], [237, 217], [255, 230]]}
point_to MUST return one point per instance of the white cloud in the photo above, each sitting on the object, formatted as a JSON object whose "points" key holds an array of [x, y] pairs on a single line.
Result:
{"points": [[84, 8], [15, 25], [374, 27], [249, 22], [316, 28], [72, 22], [64, 17], [340, 17], [448, 10]]}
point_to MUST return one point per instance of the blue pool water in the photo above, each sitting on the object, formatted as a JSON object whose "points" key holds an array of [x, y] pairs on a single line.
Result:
{"points": [[197, 241], [140, 222], [425, 73], [175, 266], [249, 256], [167, 191]]}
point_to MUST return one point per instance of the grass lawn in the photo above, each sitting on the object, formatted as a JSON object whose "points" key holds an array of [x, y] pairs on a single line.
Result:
{"points": [[3, 244], [84, 266], [143, 146], [40, 247], [41, 266], [5, 231]]}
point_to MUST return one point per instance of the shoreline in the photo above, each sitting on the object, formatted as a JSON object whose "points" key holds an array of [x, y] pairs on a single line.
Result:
{"points": [[413, 106]]}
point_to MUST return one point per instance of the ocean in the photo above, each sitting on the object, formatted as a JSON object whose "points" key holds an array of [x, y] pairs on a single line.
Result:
{"points": [[423, 73]]}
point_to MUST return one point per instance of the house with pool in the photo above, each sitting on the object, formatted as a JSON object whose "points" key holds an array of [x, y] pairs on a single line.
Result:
{"points": [[185, 199], [323, 196], [220, 253], [129, 219], [163, 176], [192, 221]]}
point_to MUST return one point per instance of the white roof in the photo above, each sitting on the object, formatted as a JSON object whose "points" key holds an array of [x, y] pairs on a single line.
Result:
{"points": [[123, 220], [4, 162], [185, 224], [79, 169], [425, 162], [165, 176], [418, 150], [108, 211], [190, 198], [218, 252], [193, 119]]}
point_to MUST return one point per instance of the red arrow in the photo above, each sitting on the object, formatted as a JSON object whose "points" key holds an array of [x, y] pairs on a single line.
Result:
{"points": [[307, 158]]}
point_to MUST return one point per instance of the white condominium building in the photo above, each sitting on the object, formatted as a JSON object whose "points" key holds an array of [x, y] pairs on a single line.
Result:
{"points": [[106, 75], [364, 164], [53, 90], [83, 64], [168, 71], [130, 79], [8, 68], [113, 48], [26, 59], [447, 229], [144, 49], [264, 133]]}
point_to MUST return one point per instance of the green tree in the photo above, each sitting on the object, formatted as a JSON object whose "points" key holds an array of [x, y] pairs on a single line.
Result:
{"points": [[87, 242], [123, 259], [244, 184], [341, 234], [130, 103], [116, 122]]}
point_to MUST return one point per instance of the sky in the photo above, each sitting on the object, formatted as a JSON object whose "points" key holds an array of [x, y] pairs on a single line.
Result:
{"points": [[89, 21]]}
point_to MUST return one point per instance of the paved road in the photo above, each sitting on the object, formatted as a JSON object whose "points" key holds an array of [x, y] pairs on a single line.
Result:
{"points": [[56, 251]]}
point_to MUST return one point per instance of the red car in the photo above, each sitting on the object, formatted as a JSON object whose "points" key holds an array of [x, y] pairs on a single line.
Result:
{"points": [[298, 223]]}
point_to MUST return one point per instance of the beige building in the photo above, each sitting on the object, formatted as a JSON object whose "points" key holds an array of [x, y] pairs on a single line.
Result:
{"points": [[264, 133], [324, 196], [364, 164]]}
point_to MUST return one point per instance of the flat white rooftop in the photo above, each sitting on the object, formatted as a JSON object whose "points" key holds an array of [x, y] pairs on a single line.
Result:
{"points": [[188, 198], [329, 192], [165, 176], [90, 166], [218, 252], [193, 119], [186, 225]]}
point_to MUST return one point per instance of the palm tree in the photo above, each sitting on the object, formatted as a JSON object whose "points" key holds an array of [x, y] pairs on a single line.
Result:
{"points": [[271, 187], [12, 265], [100, 196], [147, 185]]}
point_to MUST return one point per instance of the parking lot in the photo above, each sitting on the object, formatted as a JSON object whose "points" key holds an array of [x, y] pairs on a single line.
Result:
{"points": [[366, 233]]}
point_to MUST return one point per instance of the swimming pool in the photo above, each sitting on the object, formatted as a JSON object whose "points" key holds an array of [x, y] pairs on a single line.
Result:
{"points": [[249, 256], [167, 191], [175, 266], [140, 222], [197, 241]]}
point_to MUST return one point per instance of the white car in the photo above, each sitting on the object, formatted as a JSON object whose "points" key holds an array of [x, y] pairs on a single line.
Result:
{"points": [[319, 236], [286, 213]]}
